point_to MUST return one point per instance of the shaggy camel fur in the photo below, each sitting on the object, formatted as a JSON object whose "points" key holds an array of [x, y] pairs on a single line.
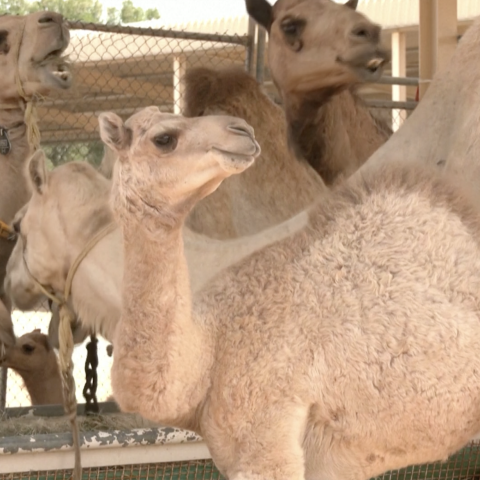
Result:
{"points": [[346, 350], [34, 359], [30, 47], [443, 130], [318, 52], [276, 187], [55, 238]]}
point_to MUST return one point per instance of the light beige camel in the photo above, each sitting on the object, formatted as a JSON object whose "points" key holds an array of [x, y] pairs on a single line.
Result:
{"points": [[347, 350], [30, 50], [55, 238], [277, 187], [443, 129], [34, 359], [318, 52]]}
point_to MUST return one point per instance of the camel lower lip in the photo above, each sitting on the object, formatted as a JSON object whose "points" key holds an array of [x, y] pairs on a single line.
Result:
{"points": [[241, 157], [60, 74]]}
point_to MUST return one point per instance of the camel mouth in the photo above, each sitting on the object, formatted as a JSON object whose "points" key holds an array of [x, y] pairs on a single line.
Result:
{"points": [[368, 66], [235, 162], [57, 69], [54, 63]]}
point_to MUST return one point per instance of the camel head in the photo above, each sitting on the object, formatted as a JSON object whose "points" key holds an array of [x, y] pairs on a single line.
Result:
{"points": [[18, 285], [33, 45], [319, 46], [47, 239], [30, 353], [167, 163]]}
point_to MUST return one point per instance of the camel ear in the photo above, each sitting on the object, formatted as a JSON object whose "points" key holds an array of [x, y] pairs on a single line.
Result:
{"points": [[352, 4], [113, 132], [38, 171], [43, 339], [261, 11]]}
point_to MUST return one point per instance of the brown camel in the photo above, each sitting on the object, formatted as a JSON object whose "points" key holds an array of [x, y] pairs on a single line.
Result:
{"points": [[318, 52], [344, 351], [276, 187], [30, 51], [34, 359]]}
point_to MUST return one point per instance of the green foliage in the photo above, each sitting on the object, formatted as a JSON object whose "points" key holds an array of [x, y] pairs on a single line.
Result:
{"points": [[129, 14], [152, 14], [14, 7], [113, 16], [84, 10], [60, 153]]}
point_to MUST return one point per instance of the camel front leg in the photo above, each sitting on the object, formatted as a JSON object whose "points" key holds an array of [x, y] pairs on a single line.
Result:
{"points": [[263, 446]]}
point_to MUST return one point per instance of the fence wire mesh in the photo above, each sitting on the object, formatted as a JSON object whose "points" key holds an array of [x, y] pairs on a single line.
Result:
{"points": [[464, 465]]}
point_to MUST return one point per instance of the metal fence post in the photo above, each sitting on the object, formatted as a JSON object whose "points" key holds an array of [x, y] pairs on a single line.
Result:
{"points": [[3, 389], [250, 58], [261, 41]]}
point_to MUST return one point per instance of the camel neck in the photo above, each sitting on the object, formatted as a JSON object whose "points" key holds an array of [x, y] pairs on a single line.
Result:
{"points": [[157, 343], [44, 387], [334, 131]]}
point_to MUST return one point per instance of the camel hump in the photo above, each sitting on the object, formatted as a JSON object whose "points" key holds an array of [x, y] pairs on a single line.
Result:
{"points": [[210, 88]]}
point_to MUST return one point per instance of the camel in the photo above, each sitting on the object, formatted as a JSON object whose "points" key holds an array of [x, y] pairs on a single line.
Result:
{"points": [[348, 349], [277, 187], [31, 48], [34, 359], [318, 53], [55, 238], [442, 130]]}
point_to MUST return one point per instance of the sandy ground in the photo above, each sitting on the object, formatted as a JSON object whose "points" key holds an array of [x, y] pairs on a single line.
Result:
{"points": [[25, 322]]}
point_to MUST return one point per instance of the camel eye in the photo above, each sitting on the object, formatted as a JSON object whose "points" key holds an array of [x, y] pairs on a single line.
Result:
{"points": [[28, 348], [4, 47], [165, 142], [292, 27]]}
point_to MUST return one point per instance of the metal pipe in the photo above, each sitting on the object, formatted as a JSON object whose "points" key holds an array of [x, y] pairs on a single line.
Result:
{"points": [[158, 32], [427, 43], [391, 104], [387, 80], [250, 57], [3, 389]]}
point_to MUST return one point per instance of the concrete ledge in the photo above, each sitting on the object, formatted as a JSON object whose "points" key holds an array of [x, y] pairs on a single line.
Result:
{"points": [[99, 449]]}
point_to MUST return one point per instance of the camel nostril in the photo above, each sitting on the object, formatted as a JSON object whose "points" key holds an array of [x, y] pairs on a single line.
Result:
{"points": [[241, 130], [47, 18], [366, 32]]}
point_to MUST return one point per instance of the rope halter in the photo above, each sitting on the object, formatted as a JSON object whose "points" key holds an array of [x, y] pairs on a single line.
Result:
{"points": [[66, 342]]}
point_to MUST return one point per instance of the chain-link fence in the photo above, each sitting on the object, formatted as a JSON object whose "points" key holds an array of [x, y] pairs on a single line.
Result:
{"points": [[464, 465]]}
